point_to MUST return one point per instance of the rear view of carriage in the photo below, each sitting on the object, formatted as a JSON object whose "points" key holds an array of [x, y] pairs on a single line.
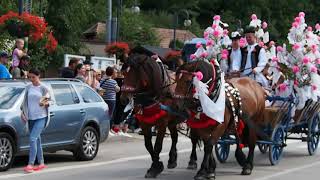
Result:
{"points": [[282, 123]]}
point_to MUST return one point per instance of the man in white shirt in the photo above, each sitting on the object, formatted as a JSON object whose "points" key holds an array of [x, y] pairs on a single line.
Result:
{"points": [[254, 58], [232, 65]]}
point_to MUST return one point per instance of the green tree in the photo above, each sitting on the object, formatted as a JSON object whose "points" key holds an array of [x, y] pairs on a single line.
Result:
{"points": [[136, 31]]}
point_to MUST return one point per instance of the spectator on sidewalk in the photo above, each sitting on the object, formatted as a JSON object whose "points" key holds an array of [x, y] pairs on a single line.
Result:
{"points": [[120, 123], [4, 72], [35, 114], [83, 75], [111, 88], [22, 70], [18, 53], [68, 72]]}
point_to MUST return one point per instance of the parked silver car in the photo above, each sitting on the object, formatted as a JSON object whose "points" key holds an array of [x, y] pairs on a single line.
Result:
{"points": [[79, 120]]}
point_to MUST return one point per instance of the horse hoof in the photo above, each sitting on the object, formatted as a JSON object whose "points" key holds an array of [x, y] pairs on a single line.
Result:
{"points": [[211, 176], [150, 175], [192, 166], [200, 177], [246, 172], [172, 165], [155, 170]]}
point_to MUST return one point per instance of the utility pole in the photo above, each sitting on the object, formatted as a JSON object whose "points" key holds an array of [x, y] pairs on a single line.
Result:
{"points": [[20, 5], [109, 22]]}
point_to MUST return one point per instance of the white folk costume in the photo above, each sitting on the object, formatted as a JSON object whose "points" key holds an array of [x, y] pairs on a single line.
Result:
{"points": [[254, 57], [233, 64]]}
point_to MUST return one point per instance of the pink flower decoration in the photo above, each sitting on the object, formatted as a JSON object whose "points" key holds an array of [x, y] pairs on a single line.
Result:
{"points": [[193, 57], [306, 60], [216, 33], [224, 54], [272, 43], [275, 59], [317, 26], [217, 18], [254, 17], [261, 44], [209, 42], [214, 26], [295, 69], [205, 34], [198, 45], [225, 32], [296, 46], [314, 48], [296, 82], [225, 51], [297, 20], [198, 75], [318, 61], [204, 54], [309, 28], [313, 69], [302, 14], [279, 48], [313, 87], [242, 42], [283, 87], [295, 25], [264, 25]]}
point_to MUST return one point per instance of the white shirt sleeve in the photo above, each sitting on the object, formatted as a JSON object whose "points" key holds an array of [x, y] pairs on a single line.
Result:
{"points": [[262, 60]]}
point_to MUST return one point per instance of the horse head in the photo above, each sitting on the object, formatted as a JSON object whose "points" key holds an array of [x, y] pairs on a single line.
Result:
{"points": [[184, 77], [142, 78]]}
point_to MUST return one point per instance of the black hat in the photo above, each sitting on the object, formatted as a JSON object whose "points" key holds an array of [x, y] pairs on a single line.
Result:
{"points": [[250, 29], [86, 62], [4, 54], [141, 50], [235, 35]]}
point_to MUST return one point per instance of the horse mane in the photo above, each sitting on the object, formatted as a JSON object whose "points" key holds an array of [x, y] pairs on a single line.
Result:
{"points": [[145, 64], [198, 65]]}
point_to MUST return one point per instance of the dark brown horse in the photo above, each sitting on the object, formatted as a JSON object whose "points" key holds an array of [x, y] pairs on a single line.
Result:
{"points": [[151, 86], [253, 103]]}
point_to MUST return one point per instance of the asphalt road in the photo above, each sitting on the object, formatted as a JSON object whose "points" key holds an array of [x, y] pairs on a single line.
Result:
{"points": [[123, 158]]}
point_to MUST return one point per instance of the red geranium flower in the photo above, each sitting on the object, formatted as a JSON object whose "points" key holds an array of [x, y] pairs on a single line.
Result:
{"points": [[117, 47]]}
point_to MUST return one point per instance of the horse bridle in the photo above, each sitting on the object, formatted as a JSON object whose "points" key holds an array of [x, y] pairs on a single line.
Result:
{"points": [[213, 79], [142, 92]]}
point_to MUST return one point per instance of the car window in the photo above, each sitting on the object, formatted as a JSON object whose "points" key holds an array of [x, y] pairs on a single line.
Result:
{"points": [[64, 94], [88, 95], [9, 95]]}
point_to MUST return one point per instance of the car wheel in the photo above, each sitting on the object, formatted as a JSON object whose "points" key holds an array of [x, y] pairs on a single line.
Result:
{"points": [[7, 151], [88, 146]]}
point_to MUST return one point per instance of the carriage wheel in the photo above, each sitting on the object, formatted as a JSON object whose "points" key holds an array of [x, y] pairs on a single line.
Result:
{"points": [[276, 149], [263, 148], [313, 135], [222, 152]]}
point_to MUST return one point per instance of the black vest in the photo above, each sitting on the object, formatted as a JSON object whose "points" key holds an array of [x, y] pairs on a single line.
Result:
{"points": [[254, 57]]}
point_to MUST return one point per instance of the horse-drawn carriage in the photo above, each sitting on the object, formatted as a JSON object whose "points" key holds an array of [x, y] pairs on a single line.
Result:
{"points": [[279, 127]]}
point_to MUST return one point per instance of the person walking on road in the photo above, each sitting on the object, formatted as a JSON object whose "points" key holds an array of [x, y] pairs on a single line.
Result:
{"points": [[35, 110]]}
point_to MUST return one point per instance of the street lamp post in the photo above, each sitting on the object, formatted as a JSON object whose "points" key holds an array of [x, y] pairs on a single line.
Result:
{"points": [[186, 23]]}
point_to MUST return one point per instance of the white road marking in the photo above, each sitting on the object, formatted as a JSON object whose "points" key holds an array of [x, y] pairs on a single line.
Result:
{"points": [[71, 167], [288, 171]]}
